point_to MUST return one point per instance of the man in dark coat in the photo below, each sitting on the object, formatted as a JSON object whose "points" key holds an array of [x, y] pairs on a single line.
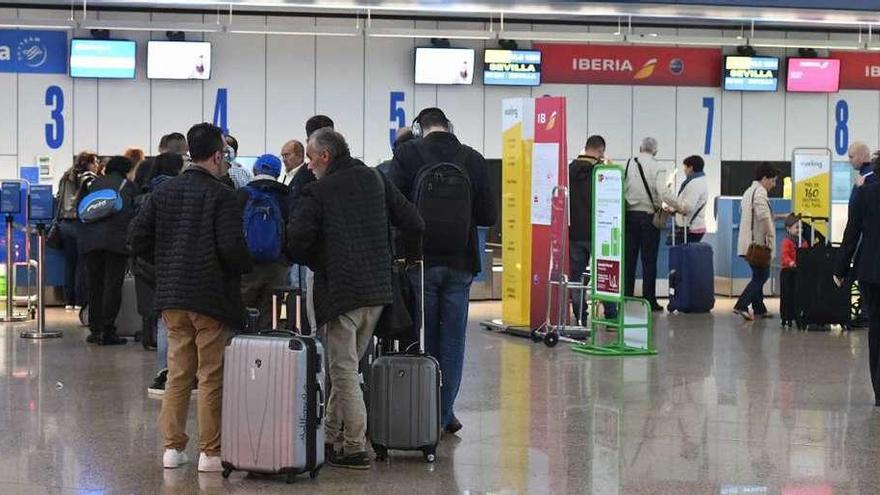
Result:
{"points": [[192, 226], [340, 231]]}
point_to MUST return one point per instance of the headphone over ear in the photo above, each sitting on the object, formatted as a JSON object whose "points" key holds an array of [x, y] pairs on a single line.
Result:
{"points": [[417, 122]]}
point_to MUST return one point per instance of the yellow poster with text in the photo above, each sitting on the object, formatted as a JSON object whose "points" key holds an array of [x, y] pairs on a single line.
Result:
{"points": [[517, 138], [811, 194]]}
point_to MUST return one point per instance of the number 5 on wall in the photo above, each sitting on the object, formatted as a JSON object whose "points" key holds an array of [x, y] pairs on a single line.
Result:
{"points": [[397, 115], [709, 105], [55, 129]]}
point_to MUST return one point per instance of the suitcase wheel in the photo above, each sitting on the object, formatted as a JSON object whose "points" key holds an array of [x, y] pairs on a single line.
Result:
{"points": [[535, 337], [227, 471], [291, 477], [550, 340], [430, 454], [381, 452], [314, 474]]}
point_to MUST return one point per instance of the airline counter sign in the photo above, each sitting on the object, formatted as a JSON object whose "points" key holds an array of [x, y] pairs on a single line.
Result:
{"points": [[41, 52], [630, 65], [858, 70]]}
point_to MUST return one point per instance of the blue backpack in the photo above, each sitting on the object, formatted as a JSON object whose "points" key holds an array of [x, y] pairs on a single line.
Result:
{"points": [[263, 225], [100, 204]]}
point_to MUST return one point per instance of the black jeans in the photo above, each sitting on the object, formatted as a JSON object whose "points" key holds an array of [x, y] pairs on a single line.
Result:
{"points": [[578, 260], [753, 294], [74, 273], [642, 240], [106, 274], [871, 300]]}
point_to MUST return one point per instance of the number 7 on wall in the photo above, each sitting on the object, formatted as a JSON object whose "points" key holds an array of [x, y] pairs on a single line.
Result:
{"points": [[709, 105]]}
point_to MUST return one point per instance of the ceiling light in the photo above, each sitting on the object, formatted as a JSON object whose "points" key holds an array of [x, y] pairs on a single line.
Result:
{"points": [[36, 24], [802, 43], [431, 33], [562, 36], [187, 27]]}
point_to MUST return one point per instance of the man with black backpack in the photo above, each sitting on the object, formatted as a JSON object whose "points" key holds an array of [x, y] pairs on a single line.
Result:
{"points": [[265, 204], [449, 184]]}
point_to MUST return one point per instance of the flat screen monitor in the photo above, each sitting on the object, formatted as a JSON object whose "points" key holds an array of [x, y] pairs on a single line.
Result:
{"points": [[179, 60], [110, 59], [444, 66], [512, 68], [751, 73], [813, 75]]}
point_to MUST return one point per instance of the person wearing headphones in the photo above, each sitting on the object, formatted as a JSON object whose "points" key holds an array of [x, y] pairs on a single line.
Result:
{"points": [[450, 246]]}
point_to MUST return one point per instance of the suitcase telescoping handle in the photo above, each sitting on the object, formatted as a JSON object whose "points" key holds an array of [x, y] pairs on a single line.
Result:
{"points": [[421, 342]]}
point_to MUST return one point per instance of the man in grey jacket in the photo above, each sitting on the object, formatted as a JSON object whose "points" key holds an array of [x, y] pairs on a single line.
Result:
{"points": [[645, 190]]}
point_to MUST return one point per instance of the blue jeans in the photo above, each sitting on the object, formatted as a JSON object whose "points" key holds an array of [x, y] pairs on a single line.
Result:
{"points": [[161, 344], [753, 294], [579, 258], [447, 296]]}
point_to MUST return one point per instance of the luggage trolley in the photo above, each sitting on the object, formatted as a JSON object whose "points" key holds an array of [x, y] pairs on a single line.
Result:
{"points": [[558, 284]]}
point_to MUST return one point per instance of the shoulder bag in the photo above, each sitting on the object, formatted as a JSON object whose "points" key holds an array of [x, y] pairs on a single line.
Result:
{"points": [[758, 255], [661, 217]]}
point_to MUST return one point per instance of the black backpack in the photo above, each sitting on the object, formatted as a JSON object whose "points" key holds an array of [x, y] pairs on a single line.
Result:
{"points": [[442, 194]]}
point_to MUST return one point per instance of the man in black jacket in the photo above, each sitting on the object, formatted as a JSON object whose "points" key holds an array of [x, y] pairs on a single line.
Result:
{"points": [[580, 232], [258, 286], [340, 230], [192, 227], [448, 275], [103, 244], [862, 234]]}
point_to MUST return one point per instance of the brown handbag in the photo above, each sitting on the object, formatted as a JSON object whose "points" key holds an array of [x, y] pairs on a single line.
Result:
{"points": [[758, 255]]}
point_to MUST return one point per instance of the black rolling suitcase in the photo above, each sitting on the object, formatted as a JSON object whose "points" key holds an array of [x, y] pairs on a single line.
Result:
{"points": [[818, 300]]}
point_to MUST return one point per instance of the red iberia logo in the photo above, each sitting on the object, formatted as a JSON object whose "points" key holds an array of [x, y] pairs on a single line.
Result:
{"points": [[551, 122], [647, 70]]}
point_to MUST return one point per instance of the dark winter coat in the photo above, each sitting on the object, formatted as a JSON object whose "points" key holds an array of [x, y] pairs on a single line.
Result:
{"points": [[580, 192], [444, 147], [192, 225], [339, 229], [110, 233]]}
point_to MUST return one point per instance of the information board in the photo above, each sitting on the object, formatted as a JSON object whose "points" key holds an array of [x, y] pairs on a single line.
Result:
{"points": [[811, 178], [608, 232], [10, 197], [42, 203]]}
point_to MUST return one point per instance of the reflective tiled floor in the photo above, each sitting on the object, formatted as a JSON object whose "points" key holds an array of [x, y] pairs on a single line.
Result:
{"points": [[726, 408]]}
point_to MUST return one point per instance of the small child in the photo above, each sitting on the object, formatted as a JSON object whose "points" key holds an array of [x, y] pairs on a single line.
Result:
{"points": [[787, 305]]}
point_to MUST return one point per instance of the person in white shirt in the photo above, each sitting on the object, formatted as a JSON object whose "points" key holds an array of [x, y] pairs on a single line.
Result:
{"points": [[689, 204], [645, 192], [293, 156]]}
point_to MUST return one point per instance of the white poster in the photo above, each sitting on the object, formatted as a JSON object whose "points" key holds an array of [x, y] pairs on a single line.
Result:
{"points": [[545, 177], [608, 231]]}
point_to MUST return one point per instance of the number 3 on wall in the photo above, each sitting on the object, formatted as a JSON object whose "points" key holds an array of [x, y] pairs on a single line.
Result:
{"points": [[55, 129], [397, 115]]}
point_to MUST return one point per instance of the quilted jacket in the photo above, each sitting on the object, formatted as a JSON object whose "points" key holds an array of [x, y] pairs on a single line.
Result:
{"points": [[340, 229], [192, 225]]}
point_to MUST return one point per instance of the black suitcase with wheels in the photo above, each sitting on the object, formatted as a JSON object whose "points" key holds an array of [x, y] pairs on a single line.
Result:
{"points": [[818, 300]]}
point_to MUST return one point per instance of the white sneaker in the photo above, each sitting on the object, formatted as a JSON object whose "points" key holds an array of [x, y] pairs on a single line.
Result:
{"points": [[77, 307], [69, 307], [209, 464], [174, 458]]}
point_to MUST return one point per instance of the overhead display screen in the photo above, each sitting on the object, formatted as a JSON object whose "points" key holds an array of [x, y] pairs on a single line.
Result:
{"points": [[112, 59], [444, 66], [813, 75], [178, 60], [751, 73], [512, 68]]}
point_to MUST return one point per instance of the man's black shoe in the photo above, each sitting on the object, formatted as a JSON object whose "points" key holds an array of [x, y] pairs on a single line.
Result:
{"points": [[453, 426], [656, 308], [93, 338], [112, 339], [358, 460]]}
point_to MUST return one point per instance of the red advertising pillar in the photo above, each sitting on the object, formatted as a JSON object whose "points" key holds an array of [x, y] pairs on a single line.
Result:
{"points": [[549, 170]]}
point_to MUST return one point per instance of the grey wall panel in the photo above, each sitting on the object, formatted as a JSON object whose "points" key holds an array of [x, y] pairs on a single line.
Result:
{"points": [[290, 83], [806, 122], [763, 126], [240, 67], [125, 101], [576, 98], [861, 123], [730, 133], [340, 83], [8, 166], [424, 95], [461, 103], [175, 105], [85, 115], [611, 115], [389, 67], [653, 115]]}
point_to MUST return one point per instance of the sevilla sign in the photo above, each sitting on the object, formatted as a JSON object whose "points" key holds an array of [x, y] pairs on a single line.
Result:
{"points": [[630, 65], [858, 70]]}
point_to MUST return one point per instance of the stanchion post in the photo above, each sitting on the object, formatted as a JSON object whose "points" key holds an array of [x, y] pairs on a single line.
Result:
{"points": [[41, 332], [10, 315]]}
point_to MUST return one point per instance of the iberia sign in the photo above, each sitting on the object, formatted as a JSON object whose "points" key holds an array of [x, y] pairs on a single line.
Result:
{"points": [[630, 65]]}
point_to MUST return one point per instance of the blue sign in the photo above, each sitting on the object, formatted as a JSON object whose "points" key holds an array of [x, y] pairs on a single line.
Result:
{"points": [[10, 197], [41, 52], [42, 203]]}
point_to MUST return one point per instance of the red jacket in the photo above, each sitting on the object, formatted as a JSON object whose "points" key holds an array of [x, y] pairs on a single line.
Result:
{"points": [[789, 252]]}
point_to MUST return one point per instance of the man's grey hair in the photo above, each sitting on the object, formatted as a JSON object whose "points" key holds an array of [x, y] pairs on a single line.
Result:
{"points": [[649, 145], [326, 139]]}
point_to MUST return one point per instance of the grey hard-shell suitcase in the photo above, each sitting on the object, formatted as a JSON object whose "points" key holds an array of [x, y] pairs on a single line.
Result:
{"points": [[404, 398], [273, 405]]}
